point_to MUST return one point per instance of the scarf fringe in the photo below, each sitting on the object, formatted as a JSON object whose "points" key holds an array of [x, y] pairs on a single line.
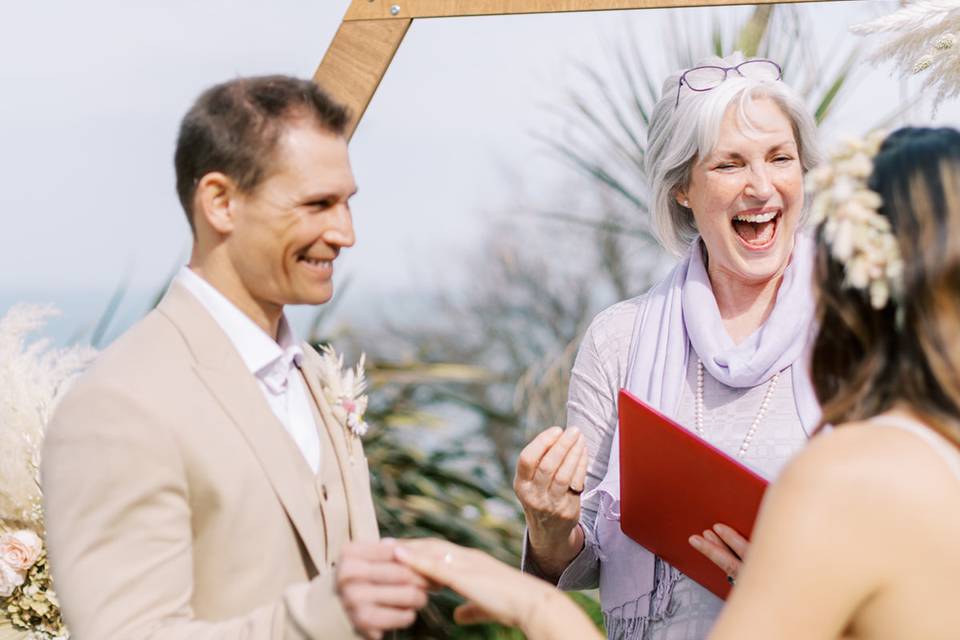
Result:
{"points": [[619, 622], [625, 628]]}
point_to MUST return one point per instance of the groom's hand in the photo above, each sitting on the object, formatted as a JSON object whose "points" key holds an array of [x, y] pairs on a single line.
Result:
{"points": [[377, 592]]}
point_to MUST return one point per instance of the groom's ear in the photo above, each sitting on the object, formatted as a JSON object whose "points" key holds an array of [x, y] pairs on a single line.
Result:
{"points": [[213, 202]]}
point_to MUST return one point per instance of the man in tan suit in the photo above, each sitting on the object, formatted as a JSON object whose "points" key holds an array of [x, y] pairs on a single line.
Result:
{"points": [[198, 484]]}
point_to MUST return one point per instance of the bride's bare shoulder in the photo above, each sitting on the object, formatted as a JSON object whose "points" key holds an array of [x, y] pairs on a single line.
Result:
{"points": [[866, 464]]}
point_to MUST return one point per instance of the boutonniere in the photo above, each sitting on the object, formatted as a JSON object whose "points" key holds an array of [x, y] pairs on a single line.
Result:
{"points": [[344, 391]]}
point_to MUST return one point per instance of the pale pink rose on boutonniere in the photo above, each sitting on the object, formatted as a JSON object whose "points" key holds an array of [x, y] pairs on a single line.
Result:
{"points": [[344, 391], [18, 551]]}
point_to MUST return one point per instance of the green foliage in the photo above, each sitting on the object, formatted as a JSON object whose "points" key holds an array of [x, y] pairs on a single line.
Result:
{"points": [[438, 492]]}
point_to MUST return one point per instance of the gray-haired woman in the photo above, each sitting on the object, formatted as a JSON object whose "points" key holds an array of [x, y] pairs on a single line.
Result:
{"points": [[718, 345]]}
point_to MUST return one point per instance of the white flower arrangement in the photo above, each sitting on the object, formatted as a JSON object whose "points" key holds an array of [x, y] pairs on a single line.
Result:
{"points": [[860, 238], [344, 390], [33, 378]]}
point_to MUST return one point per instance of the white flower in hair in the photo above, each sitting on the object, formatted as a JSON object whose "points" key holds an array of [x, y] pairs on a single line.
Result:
{"points": [[859, 237], [344, 390]]}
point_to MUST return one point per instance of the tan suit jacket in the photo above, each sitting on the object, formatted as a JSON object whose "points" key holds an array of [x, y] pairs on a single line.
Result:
{"points": [[178, 507]]}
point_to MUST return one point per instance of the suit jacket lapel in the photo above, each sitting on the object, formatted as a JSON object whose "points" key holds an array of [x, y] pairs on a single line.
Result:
{"points": [[346, 451], [219, 366]]}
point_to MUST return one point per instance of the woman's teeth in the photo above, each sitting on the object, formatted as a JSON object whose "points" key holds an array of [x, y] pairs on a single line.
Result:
{"points": [[316, 263], [756, 229], [757, 217]]}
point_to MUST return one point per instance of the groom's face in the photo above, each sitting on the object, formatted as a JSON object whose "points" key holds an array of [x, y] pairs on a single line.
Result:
{"points": [[289, 230]]}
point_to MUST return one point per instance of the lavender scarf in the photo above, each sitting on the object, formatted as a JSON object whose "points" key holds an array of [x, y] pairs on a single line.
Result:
{"points": [[679, 312]]}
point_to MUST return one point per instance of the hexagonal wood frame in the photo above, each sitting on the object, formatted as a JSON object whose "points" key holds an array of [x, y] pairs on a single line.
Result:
{"points": [[372, 30]]}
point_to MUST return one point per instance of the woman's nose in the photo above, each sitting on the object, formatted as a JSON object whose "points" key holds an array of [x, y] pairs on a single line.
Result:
{"points": [[759, 185]]}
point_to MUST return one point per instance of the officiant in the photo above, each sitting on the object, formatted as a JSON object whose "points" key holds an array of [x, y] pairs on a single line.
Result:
{"points": [[719, 345]]}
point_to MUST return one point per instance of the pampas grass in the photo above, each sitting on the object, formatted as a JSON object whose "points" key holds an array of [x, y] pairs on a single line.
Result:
{"points": [[33, 378], [921, 38]]}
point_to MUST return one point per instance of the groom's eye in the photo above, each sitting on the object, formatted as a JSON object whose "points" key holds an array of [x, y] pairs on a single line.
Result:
{"points": [[322, 204]]}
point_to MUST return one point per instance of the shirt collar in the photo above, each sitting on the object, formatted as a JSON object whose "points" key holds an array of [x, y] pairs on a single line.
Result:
{"points": [[264, 357]]}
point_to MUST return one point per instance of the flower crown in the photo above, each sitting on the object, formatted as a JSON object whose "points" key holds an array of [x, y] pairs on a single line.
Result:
{"points": [[859, 237]]}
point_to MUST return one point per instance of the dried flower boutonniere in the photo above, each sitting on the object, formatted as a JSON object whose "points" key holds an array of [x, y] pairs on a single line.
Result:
{"points": [[344, 391]]}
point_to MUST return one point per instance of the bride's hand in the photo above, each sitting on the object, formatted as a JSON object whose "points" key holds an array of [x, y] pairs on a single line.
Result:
{"points": [[494, 591], [724, 547]]}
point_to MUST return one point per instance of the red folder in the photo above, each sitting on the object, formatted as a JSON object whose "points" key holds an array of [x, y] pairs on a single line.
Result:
{"points": [[674, 485]]}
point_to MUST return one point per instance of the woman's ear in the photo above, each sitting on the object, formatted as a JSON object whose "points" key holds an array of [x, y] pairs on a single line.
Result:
{"points": [[212, 200], [681, 197]]}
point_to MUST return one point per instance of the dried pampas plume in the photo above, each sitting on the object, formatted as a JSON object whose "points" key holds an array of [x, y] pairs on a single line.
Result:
{"points": [[922, 38], [33, 378]]}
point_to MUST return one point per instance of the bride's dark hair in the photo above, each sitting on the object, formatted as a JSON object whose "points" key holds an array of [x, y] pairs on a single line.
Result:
{"points": [[867, 360]]}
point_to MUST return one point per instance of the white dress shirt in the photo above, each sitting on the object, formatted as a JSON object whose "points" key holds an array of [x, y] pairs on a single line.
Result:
{"points": [[273, 363]]}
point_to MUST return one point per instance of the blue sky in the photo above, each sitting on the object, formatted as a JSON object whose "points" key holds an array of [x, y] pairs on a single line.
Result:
{"points": [[93, 93]]}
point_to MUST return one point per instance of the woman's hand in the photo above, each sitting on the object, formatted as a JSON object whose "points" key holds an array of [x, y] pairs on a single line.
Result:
{"points": [[495, 591], [551, 473], [724, 547]]}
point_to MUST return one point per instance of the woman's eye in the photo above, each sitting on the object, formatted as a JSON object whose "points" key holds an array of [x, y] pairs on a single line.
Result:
{"points": [[782, 159]]}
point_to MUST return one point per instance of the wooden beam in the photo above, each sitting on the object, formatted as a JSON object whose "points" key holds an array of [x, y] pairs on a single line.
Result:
{"points": [[358, 57], [384, 9], [372, 30]]}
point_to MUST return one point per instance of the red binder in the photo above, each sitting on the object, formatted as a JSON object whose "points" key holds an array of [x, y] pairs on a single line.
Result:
{"points": [[674, 485]]}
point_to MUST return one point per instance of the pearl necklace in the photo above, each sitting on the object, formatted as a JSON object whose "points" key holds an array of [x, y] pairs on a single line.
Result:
{"points": [[698, 409]]}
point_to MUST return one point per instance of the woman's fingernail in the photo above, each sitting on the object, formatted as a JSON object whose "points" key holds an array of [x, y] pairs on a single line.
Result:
{"points": [[401, 554], [695, 542]]}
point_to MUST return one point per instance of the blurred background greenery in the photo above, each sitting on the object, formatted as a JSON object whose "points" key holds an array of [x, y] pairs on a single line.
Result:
{"points": [[456, 391]]}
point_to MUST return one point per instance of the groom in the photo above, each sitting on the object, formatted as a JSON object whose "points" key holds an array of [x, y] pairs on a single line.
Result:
{"points": [[197, 483]]}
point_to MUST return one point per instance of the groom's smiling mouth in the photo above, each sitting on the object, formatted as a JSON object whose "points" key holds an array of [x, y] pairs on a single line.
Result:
{"points": [[319, 265]]}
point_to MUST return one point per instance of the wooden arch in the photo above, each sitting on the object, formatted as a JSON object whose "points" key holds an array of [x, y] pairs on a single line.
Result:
{"points": [[372, 30]]}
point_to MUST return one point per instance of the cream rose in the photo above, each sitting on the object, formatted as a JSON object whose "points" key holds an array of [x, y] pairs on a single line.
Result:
{"points": [[20, 549]]}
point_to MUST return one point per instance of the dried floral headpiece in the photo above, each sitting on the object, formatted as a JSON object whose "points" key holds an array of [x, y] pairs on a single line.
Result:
{"points": [[859, 237]]}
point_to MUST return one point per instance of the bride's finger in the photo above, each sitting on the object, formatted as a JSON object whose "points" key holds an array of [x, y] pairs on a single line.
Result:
{"points": [[432, 559], [471, 613]]}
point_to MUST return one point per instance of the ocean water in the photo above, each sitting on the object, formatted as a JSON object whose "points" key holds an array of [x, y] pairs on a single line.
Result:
{"points": [[82, 312]]}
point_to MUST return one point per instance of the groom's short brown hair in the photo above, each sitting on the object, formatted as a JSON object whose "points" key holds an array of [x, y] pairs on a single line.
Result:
{"points": [[234, 127]]}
